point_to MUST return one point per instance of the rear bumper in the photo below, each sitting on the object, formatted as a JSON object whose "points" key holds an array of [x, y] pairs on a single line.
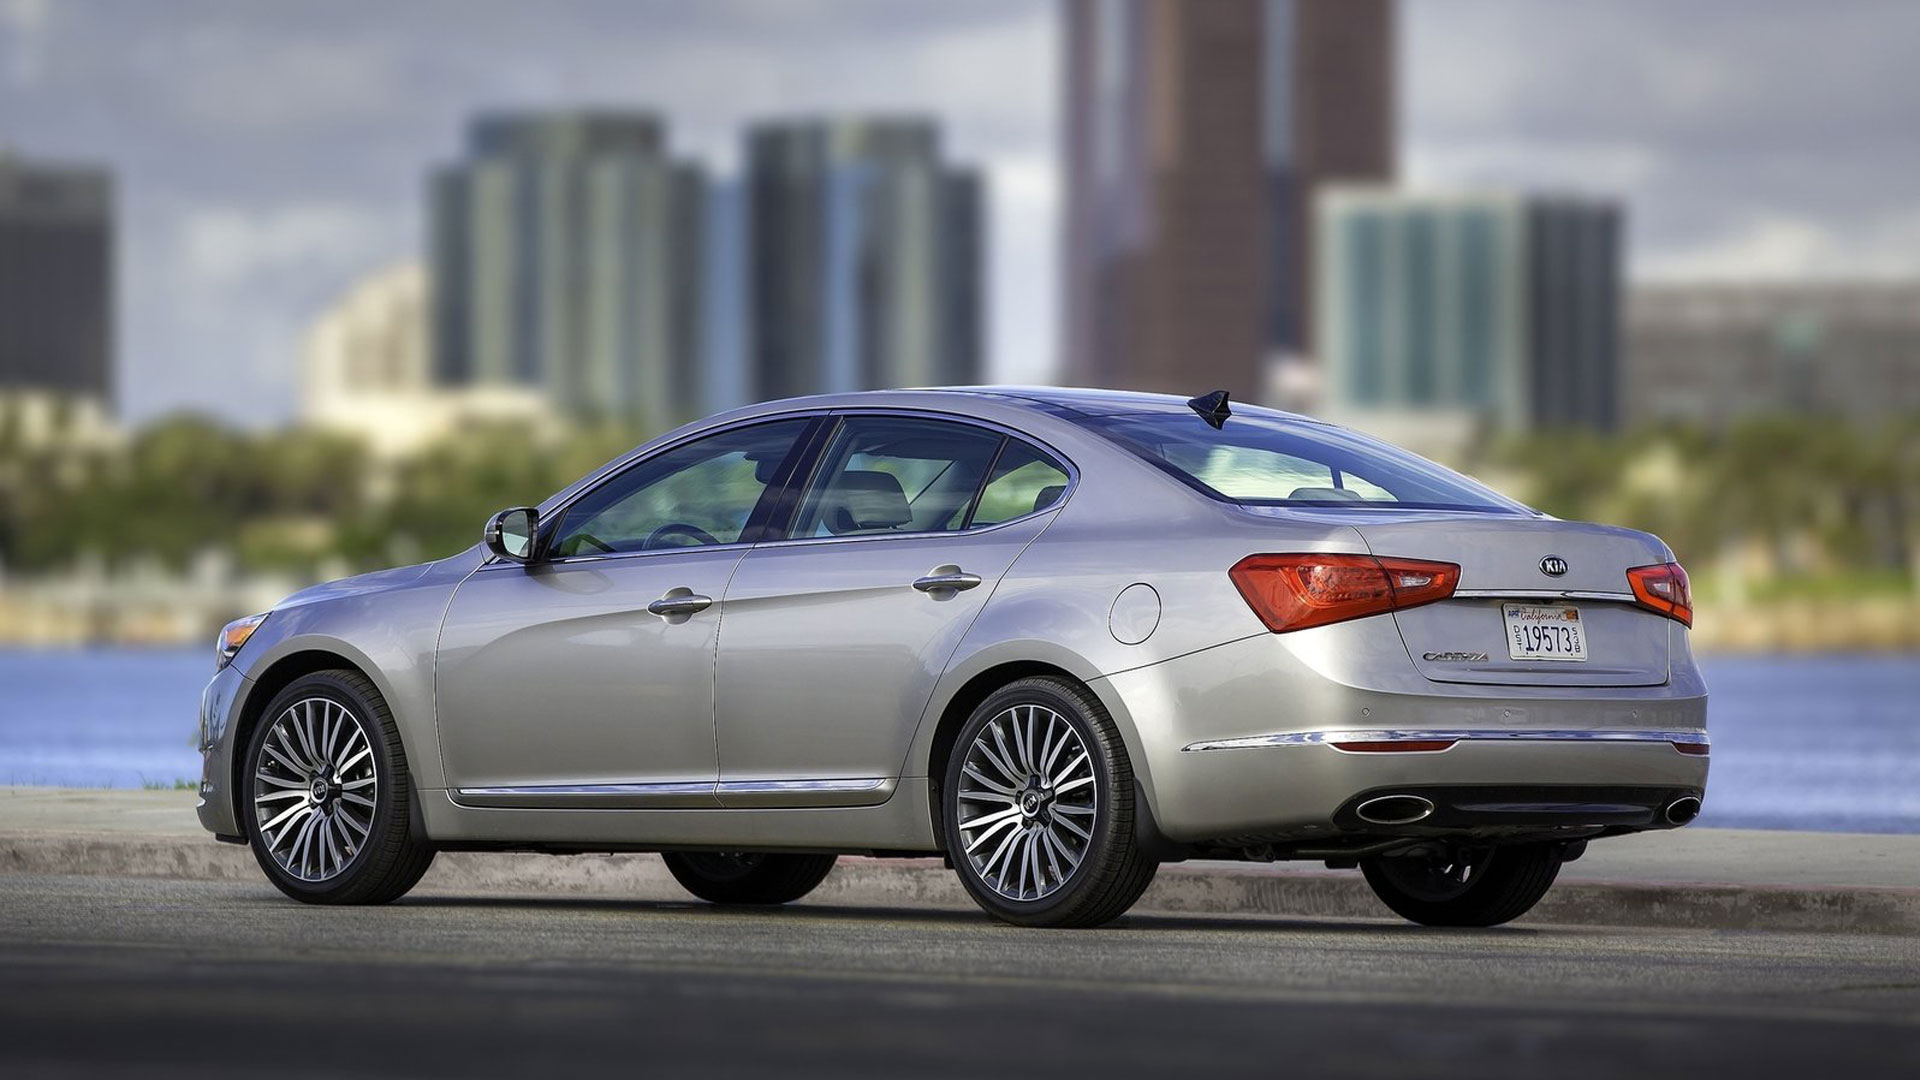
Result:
{"points": [[1241, 744], [1441, 809]]}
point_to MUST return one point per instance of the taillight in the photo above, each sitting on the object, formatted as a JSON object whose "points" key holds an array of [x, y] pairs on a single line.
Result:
{"points": [[1293, 592], [1663, 588]]}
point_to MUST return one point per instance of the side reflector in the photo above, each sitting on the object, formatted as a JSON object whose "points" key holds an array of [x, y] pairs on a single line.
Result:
{"points": [[1693, 748], [1397, 746]]}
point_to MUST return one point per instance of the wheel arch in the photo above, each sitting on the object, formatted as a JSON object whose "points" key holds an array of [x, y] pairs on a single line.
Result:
{"points": [[275, 675], [978, 681]]}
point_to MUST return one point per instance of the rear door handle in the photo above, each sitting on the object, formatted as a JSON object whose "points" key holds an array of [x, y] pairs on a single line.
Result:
{"points": [[680, 602], [948, 579]]}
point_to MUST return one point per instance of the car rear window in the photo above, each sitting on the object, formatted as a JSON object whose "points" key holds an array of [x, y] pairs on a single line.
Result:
{"points": [[1269, 460]]}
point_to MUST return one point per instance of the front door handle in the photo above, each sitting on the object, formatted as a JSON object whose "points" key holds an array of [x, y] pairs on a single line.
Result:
{"points": [[946, 579], [680, 602]]}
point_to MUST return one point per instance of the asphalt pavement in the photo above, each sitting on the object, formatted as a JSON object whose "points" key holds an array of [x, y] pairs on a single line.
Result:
{"points": [[104, 975]]}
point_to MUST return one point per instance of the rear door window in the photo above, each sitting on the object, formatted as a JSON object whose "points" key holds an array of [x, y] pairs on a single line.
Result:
{"points": [[896, 475]]}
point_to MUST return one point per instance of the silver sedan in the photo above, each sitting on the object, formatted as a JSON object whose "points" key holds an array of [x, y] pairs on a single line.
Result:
{"points": [[1058, 637]]}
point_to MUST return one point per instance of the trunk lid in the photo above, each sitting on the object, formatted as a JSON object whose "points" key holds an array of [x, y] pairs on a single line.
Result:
{"points": [[1465, 639]]}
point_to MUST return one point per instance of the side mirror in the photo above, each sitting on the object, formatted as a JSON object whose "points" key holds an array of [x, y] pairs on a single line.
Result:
{"points": [[510, 533]]}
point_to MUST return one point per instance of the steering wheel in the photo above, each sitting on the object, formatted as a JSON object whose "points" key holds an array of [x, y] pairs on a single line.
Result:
{"points": [[678, 528]]}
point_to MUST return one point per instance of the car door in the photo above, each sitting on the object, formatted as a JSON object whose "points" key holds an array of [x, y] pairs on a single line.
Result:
{"points": [[585, 677], [836, 633]]}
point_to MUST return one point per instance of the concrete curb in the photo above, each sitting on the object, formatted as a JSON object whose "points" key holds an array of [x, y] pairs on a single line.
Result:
{"points": [[1190, 888]]}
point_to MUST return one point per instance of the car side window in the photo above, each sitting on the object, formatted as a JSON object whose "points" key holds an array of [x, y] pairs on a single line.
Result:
{"points": [[693, 495], [892, 475], [1026, 479]]}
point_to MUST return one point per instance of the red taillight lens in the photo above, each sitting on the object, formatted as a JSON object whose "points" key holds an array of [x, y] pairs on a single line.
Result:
{"points": [[1293, 592], [1663, 588]]}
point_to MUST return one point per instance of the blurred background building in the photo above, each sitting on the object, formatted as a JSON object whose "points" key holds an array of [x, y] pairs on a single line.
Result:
{"points": [[366, 372], [1444, 315], [865, 258], [573, 255], [56, 302], [1197, 135], [567, 253], [1716, 352]]}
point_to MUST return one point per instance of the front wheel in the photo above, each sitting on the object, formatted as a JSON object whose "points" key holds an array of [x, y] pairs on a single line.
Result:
{"points": [[1467, 886], [1038, 808], [326, 797], [725, 877]]}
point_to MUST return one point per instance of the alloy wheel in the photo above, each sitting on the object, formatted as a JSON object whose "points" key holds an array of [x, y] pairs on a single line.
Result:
{"points": [[1028, 800], [316, 784]]}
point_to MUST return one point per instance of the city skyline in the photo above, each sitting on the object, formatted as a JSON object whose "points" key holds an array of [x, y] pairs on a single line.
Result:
{"points": [[265, 158]]}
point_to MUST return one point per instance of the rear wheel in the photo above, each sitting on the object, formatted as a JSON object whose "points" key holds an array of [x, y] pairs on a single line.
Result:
{"points": [[1038, 808], [326, 799], [1467, 886], [726, 877]]}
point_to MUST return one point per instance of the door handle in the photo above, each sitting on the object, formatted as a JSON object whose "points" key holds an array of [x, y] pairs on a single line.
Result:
{"points": [[947, 579], [684, 603]]}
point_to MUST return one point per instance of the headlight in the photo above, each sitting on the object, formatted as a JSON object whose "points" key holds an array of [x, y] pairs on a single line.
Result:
{"points": [[234, 635]]}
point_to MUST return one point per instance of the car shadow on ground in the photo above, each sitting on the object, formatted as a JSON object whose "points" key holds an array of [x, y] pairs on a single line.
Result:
{"points": [[804, 913]]}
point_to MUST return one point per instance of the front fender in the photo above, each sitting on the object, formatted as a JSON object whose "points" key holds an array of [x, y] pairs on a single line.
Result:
{"points": [[390, 635]]}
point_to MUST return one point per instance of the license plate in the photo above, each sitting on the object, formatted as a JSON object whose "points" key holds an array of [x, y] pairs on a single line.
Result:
{"points": [[1544, 632]]}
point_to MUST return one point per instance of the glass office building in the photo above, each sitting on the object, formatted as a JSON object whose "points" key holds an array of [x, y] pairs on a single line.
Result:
{"points": [[568, 255], [864, 258], [1501, 308], [56, 280]]}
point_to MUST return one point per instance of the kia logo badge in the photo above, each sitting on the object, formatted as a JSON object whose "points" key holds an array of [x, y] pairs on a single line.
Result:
{"points": [[1553, 566]]}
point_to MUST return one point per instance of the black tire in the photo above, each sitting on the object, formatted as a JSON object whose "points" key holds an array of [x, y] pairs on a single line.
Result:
{"points": [[373, 868], [1112, 871], [1502, 884], [748, 877]]}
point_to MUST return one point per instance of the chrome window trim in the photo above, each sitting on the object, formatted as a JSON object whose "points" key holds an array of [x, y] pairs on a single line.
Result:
{"points": [[1537, 594], [610, 556], [1328, 736], [807, 541]]}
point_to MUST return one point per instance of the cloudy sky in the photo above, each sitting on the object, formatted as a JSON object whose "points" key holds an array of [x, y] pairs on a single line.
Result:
{"points": [[268, 153]]}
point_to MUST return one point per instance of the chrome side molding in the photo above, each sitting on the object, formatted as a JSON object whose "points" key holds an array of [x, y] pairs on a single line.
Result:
{"points": [[704, 794], [1316, 738]]}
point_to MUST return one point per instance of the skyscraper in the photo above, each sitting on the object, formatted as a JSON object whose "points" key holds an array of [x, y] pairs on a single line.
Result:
{"points": [[864, 258], [56, 280], [1493, 308], [567, 255], [1197, 135]]}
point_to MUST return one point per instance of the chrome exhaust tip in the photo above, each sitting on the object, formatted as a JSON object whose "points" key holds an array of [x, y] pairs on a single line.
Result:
{"points": [[1394, 810], [1681, 811]]}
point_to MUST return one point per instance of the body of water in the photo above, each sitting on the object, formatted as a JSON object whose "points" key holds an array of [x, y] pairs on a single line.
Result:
{"points": [[1828, 743]]}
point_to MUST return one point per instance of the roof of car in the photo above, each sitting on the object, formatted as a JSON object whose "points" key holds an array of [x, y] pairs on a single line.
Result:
{"points": [[1086, 401]]}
